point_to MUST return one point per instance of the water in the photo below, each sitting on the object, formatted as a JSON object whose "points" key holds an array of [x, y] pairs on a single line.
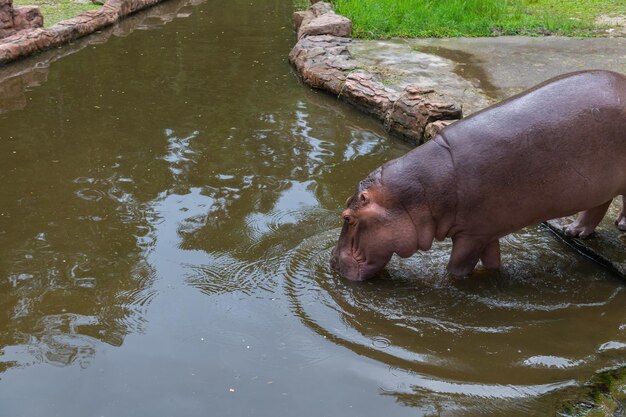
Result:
{"points": [[169, 201]]}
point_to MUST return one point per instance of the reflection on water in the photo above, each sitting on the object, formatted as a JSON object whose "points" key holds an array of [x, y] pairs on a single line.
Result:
{"points": [[168, 205]]}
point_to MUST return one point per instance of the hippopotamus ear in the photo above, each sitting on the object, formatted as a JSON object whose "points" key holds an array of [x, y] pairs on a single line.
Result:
{"points": [[364, 198]]}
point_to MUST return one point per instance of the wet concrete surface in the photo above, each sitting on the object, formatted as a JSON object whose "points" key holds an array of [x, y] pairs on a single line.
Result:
{"points": [[400, 64], [480, 71], [477, 72]]}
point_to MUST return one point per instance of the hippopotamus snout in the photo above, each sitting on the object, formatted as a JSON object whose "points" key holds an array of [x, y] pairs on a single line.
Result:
{"points": [[345, 265]]}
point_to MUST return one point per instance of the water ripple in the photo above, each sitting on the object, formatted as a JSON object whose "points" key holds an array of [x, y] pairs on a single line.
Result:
{"points": [[518, 333], [225, 274]]}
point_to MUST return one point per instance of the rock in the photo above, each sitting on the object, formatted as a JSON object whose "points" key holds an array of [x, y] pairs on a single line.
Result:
{"points": [[433, 129], [298, 17], [365, 91], [320, 8], [415, 109], [303, 18], [6, 14], [327, 24], [27, 17], [322, 61]]}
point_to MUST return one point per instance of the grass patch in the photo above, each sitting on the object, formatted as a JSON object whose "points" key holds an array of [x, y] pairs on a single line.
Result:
{"points": [[56, 10], [450, 18]]}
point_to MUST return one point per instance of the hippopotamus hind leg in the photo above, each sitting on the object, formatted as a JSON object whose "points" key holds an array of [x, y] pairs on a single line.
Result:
{"points": [[466, 251], [587, 220], [621, 219], [490, 258]]}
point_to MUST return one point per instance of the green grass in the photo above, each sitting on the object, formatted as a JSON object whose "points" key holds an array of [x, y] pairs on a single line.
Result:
{"points": [[448, 18], [56, 10]]}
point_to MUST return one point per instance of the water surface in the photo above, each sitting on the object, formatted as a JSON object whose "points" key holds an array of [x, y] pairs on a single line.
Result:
{"points": [[169, 201]]}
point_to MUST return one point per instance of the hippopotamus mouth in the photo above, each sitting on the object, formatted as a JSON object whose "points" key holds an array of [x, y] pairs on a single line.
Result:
{"points": [[345, 265], [351, 267]]}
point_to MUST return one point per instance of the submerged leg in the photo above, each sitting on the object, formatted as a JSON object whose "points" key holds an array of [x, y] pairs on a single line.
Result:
{"points": [[464, 257], [490, 258], [587, 220], [621, 219]]}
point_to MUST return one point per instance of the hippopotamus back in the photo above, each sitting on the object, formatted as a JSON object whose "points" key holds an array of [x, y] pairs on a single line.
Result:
{"points": [[552, 151]]}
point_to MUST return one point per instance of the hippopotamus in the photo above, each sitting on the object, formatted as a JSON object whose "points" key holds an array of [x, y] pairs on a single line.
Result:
{"points": [[552, 151]]}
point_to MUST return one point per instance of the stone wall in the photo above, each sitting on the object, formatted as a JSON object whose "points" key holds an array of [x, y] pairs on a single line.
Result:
{"points": [[15, 19], [27, 41], [322, 59]]}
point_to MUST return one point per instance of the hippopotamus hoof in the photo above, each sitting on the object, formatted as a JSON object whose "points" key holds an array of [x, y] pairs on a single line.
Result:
{"points": [[587, 221], [514, 164]]}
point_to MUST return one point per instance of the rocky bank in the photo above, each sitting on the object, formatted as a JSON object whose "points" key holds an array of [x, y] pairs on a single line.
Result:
{"points": [[323, 60]]}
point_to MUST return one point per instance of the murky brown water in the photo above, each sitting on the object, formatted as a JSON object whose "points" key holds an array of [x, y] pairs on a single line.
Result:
{"points": [[168, 204]]}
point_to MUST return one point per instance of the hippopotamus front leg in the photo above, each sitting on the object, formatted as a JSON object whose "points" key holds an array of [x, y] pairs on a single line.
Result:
{"points": [[621, 219], [587, 220], [467, 250], [490, 258]]}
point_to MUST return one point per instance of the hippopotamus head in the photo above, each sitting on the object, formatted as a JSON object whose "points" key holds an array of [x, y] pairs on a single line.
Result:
{"points": [[375, 226]]}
